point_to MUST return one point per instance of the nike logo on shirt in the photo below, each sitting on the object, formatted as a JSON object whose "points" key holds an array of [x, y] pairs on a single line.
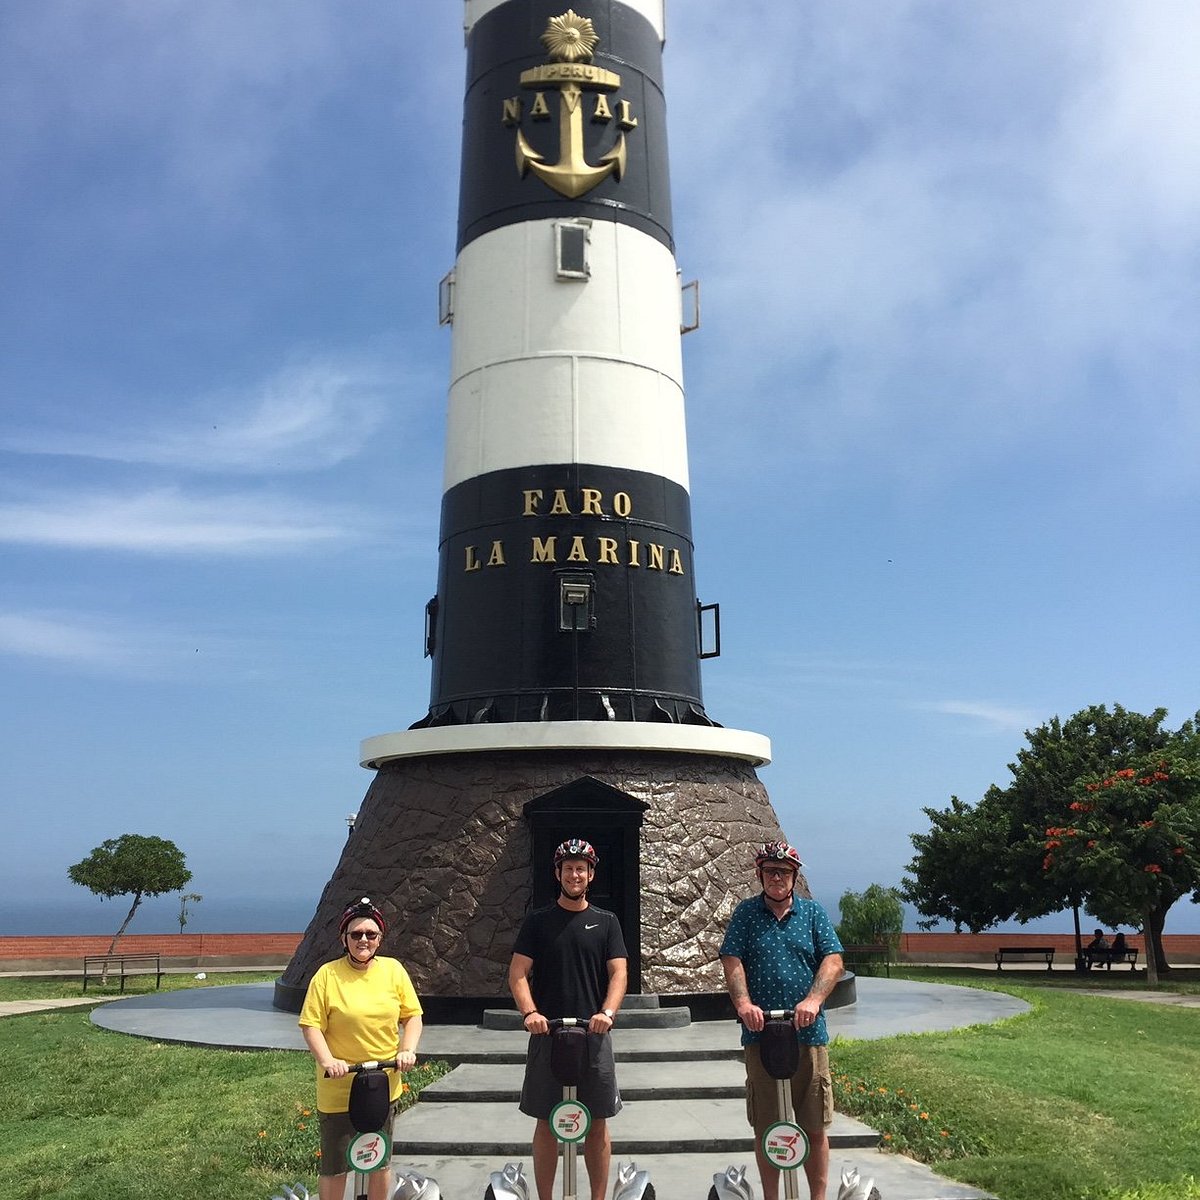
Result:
{"points": [[596, 926]]}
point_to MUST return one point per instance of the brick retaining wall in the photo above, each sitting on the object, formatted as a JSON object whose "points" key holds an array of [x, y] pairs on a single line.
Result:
{"points": [[180, 949], [981, 947], [251, 949]]}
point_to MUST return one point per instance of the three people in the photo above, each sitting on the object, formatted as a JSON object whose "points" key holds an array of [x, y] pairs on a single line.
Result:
{"points": [[781, 952], [569, 960], [361, 1007]]}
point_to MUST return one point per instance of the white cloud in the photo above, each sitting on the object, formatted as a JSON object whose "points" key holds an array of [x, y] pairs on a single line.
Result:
{"points": [[118, 647], [996, 717], [44, 636], [955, 230], [166, 521], [303, 418]]}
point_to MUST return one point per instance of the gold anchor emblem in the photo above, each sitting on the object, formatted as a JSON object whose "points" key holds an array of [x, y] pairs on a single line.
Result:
{"points": [[570, 39]]}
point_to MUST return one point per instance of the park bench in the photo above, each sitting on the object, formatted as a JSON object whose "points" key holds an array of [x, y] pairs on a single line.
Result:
{"points": [[866, 956], [1106, 958], [97, 966], [1023, 954]]}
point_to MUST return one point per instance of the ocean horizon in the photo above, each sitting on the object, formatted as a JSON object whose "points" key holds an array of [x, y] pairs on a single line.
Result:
{"points": [[86, 914]]}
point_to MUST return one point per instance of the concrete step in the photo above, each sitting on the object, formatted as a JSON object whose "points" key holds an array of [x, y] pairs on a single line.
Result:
{"points": [[643, 1127], [477, 1083]]}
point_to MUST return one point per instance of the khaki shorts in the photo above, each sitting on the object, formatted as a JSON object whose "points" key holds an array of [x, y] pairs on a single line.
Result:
{"points": [[812, 1091], [336, 1135]]}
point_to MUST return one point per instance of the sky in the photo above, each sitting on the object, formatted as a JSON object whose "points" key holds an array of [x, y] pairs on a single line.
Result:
{"points": [[942, 408]]}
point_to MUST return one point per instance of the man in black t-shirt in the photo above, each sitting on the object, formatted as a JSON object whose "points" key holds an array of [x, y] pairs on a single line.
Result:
{"points": [[569, 960]]}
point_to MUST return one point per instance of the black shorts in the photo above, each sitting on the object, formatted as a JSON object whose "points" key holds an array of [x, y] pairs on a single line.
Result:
{"points": [[597, 1089]]}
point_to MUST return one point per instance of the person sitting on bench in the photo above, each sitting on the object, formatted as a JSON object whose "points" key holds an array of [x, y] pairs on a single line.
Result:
{"points": [[1098, 950]]}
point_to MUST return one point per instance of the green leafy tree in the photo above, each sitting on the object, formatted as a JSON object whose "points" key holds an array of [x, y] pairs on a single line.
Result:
{"points": [[872, 917], [955, 874], [132, 865]]}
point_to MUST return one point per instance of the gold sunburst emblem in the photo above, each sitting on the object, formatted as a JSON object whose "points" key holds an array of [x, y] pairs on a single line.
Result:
{"points": [[570, 37]]}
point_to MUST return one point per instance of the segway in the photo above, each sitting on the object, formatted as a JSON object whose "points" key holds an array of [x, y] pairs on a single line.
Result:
{"points": [[370, 1150], [784, 1143], [570, 1121]]}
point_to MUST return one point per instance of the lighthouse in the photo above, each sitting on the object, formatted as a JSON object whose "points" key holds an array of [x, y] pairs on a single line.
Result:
{"points": [[565, 635]]}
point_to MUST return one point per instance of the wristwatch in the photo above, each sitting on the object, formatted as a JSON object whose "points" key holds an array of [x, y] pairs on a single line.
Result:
{"points": [[609, 1013]]}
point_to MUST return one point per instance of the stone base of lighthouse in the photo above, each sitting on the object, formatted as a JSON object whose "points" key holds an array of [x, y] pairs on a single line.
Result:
{"points": [[456, 847]]}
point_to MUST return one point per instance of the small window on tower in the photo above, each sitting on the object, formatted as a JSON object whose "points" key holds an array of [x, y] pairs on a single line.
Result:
{"points": [[572, 244]]}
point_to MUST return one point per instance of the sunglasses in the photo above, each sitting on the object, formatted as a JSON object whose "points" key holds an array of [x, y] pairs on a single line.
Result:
{"points": [[362, 933], [777, 872]]}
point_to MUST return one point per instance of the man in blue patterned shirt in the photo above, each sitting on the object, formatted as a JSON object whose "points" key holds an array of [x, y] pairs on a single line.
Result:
{"points": [[781, 952]]}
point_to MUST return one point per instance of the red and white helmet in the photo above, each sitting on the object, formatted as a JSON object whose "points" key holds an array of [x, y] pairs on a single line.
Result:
{"points": [[359, 909], [778, 852], [576, 848]]}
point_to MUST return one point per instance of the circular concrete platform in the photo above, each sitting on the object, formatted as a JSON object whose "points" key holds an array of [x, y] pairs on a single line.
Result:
{"points": [[242, 1017]]}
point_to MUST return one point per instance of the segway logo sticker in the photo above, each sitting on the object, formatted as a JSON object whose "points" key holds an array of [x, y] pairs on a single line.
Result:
{"points": [[786, 1145], [570, 1120], [367, 1152], [581, 85]]}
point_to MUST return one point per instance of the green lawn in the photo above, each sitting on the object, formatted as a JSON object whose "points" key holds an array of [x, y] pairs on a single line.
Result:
{"points": [[92, 1113], [1081, 1099], [33, 987]]}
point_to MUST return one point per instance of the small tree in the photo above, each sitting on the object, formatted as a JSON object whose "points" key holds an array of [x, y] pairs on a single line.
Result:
{"points": [[131, 865], [874, 917], [193, 897]]}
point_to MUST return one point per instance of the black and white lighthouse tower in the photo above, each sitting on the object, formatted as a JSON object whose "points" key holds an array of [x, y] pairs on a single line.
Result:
{"points": [[565, 635]]}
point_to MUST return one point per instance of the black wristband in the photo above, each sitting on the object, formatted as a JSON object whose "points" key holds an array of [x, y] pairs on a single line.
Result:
{"points": [[525, 1016]]}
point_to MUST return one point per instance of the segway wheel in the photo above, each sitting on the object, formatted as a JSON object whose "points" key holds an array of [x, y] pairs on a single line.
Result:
{"points": [[648, 1194], [712, 1194], [490, 1194]]}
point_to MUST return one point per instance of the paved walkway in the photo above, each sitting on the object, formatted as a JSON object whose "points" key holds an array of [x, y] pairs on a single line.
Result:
{"points": [[13, 1008]]}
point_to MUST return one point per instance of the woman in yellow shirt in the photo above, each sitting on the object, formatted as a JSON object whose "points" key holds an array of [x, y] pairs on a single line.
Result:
{"points": [[354, 1011]]}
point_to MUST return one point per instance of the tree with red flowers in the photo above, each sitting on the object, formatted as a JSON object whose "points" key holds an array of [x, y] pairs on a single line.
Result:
{"points": [[1130, 840]]}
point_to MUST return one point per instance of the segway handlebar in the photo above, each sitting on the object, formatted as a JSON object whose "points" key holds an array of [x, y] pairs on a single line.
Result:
{"points": [[388, 1064], [774, 1014]]}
